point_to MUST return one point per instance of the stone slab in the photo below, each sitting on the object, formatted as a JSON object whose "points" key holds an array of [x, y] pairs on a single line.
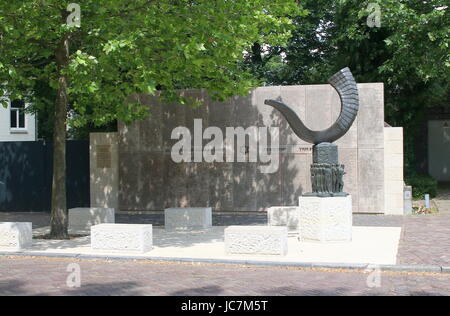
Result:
{"points": [[377, 245], [287, 216], [259, 240], [188, 218], [82, 218], [122, 237], [326, 219], [15, 235]]}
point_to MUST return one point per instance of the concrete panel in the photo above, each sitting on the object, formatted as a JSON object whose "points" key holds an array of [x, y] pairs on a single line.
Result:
{"points": [[82, 218], [371, 180], [393, 147], [130, 197], [244, 186], [395, 188], [268, 189], [295, 97], [152, 181], [394, 162], [191, 218], [175, 184], [221, 113], [221, 186], [173, 115], [129, 137], [393, 204], [199, 112], [150, 136], [245, 112], [267, 115], [349, 157], [371, 116], [393, 133], [104, 170], [197, 184], [239, 186], [295, 177], [394, 174], [318, 107]]}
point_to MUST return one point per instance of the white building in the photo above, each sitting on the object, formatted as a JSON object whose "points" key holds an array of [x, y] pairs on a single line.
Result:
{"points": [[15, 125]]}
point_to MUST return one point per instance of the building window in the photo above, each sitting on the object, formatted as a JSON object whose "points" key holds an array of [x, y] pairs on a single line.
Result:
{"points": [[17, 114]]}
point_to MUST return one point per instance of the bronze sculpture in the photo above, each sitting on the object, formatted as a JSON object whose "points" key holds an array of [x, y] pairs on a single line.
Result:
{"points": [[326, 172]]}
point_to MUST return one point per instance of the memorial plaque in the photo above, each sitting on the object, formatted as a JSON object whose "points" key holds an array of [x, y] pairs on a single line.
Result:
{"points": [[104, 156]]}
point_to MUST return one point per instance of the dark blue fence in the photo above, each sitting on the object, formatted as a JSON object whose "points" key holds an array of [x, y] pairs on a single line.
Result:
{"points": [[26, 175]]}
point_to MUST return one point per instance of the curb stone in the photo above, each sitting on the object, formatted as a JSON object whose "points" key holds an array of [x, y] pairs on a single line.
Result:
{"points": [[305, 265]]}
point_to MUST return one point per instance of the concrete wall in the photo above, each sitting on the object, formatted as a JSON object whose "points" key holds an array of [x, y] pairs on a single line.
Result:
{"points": [[7, 135], [393, 170], [104, 173], [150, 180]]}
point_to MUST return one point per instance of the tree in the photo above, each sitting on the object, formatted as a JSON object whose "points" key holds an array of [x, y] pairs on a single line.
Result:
{"points": [[409, 52], [121, 48]]}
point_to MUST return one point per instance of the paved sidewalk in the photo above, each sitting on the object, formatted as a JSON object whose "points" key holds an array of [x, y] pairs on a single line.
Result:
{"points": [[43, 276], [425, 238]]}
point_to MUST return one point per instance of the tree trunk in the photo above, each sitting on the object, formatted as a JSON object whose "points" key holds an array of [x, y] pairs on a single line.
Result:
{"points": [[59, 217]]}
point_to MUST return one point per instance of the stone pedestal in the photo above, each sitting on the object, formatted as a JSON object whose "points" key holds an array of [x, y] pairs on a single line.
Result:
{"points": [[122, 237], [256, 240], [326, 219], [189, 218], [16, 236], [284, 216]]}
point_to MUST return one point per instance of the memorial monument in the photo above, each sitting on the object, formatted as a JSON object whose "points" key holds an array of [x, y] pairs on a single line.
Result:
{"points": [[325, 214]]}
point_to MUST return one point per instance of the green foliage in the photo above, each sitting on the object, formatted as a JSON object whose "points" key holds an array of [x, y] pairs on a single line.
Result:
{"points": [[409, 53], [421, 185], [127, 47]]}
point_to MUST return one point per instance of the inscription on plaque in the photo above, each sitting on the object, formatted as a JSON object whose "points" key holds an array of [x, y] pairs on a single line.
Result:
{"points": [[300, 149], [104, 156]]}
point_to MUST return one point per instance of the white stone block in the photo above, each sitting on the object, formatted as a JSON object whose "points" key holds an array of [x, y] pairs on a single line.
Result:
{"points": [[284, 216], [82, 218], [326, 219], [257, 240], [188, 218], [122, 237], [16, 235]]}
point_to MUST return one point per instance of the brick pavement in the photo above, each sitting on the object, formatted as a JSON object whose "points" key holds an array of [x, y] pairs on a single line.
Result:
{"points": [[425, 240], [43, 276]]}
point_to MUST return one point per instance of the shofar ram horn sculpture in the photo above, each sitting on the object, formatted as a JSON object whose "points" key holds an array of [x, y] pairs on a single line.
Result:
{"points": [[326, 172]]}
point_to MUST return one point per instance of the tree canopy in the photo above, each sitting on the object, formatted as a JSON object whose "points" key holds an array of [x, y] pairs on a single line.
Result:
{"points": [[126, 47], [87, 60], [409, 52]]}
